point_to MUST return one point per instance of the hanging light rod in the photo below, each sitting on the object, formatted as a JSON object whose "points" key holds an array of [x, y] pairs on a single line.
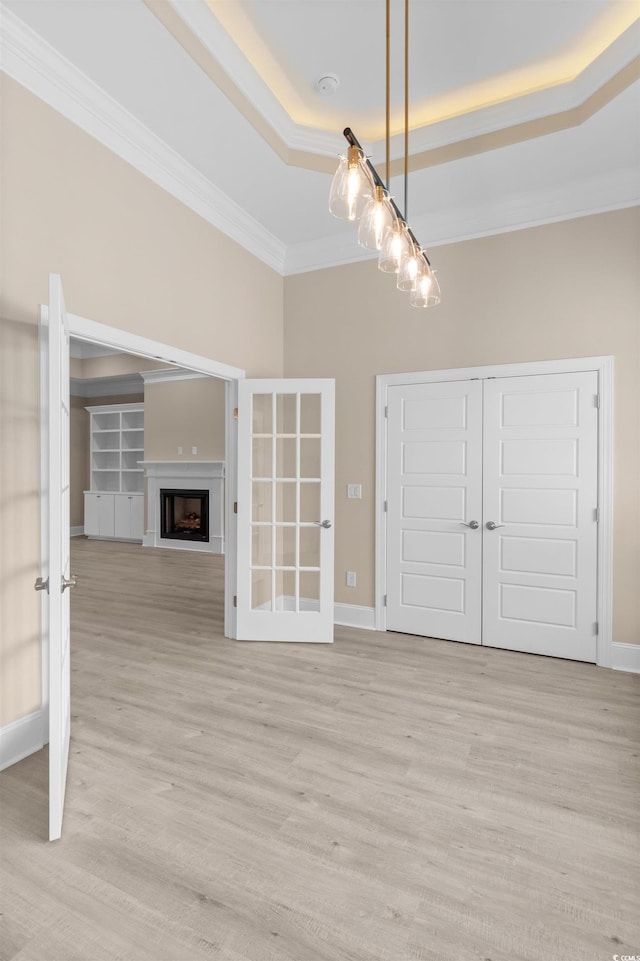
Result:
{"points": [[358, 192]]}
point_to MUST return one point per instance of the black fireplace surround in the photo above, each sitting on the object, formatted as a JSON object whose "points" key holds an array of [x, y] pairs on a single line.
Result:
{"points": [[184, 514]]}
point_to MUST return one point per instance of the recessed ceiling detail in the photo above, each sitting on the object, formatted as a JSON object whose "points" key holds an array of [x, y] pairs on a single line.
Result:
{"points": [[528, 67]]}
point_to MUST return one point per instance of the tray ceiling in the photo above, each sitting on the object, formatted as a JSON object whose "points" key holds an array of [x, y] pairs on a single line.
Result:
{"points": [[520, 112]]}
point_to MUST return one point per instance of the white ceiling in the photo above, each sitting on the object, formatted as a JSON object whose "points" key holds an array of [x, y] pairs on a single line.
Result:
{"points": [[243, 136]]}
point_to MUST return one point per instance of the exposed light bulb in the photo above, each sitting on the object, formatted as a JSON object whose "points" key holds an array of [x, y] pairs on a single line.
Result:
{"points": [[376, 218], [426, 292], [409, 268], [351, 186], [353, 189], [394, 247]]}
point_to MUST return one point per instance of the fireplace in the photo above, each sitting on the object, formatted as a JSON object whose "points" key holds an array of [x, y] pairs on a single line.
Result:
{"points": [[184, 514]]}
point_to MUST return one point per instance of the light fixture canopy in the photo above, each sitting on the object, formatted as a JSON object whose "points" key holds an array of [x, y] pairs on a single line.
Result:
{"points": [[359, 193]]}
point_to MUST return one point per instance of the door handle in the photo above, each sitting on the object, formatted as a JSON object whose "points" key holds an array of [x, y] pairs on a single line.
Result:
{"points": [[41, 585], [70, 581], [325, 524], [491, 525], [472, 524]]}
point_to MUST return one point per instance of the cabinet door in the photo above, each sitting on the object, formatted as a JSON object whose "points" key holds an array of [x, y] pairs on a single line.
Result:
{"points": [[137, 517], [106, 525], [91, 517], [122, 516], [128, 516]]}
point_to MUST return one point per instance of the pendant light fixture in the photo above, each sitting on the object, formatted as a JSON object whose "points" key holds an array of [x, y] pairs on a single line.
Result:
{"points": [[359, 193]]}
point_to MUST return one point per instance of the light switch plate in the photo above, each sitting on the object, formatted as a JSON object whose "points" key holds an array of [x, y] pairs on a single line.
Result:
{"points": [[354, 491], [351, 578], [194, 450]]}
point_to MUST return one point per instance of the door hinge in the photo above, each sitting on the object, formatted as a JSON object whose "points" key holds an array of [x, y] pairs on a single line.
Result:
{"points": [[384, 600], [596, 628], [235, 600], [596, 514], [235, 507], [386, 506], [386, 412], [235, 413], [596, 401]]}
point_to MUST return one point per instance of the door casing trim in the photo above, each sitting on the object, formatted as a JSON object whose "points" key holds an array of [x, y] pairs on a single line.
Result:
{"points": [[604, 368], [128, 342]]}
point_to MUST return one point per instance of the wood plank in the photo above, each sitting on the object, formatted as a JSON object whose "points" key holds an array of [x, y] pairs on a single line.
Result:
{"points": [[386, 798]]}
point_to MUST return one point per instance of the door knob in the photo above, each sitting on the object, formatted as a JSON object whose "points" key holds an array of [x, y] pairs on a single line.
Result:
{"points": [[41, 585], [70, 581], [491, 525], [472, 524], [326, 524]]}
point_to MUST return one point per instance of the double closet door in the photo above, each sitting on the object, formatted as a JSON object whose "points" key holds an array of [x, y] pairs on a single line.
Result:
{"points": [[491, 512]]}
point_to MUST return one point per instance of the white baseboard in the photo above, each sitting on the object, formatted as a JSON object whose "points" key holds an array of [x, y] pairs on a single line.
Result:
{"points": [[352, 615], [625, 657], [21, 738], [77, 531]]}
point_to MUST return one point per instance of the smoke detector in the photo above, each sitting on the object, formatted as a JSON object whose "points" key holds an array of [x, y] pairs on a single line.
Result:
{"points": [[327, 84]]}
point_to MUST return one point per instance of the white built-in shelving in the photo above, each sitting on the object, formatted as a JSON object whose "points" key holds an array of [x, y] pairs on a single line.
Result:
{"points": [[114, 502], [117, 447]]}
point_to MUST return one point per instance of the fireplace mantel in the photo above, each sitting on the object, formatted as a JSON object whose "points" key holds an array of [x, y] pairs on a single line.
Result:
{"points": [[185, 474]]}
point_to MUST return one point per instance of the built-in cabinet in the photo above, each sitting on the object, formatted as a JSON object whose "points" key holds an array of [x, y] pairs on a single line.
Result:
{"points": [[114, 506]]}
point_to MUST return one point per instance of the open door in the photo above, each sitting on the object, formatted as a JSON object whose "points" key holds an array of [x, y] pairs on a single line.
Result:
{"points": [[285, 510], [56, 577]]}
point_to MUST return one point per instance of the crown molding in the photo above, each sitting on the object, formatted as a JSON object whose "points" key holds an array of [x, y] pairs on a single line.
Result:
{"points": [[106, 386], [611, 191], [162, 376], [35, 64]]}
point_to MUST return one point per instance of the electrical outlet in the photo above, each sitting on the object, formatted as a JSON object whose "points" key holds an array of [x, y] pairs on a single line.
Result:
{"points": [[179, 450], [194, 450], [354, 491], [351, 578]]}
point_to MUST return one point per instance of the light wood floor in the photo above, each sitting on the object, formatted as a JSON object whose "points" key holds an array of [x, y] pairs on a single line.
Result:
{"points": [[386, 798]]}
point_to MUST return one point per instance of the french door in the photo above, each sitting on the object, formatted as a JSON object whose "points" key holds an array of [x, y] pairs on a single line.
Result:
{"points": [[285, 507], [492, 519], [55, 571]]}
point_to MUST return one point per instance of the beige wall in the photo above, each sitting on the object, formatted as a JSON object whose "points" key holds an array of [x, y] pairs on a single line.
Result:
{"points": [[79, 479], [564, 290], [130, 256], [184, 413]]}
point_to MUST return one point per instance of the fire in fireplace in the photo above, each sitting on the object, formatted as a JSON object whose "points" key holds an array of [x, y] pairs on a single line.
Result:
{"points": [[184, 514]]}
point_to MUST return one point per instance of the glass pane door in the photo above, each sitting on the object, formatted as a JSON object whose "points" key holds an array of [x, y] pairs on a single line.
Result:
{"points": [[285, 446]]}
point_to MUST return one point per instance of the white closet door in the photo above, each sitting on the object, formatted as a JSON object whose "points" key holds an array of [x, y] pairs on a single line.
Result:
{"points": [[434, 492], [540, 488]]}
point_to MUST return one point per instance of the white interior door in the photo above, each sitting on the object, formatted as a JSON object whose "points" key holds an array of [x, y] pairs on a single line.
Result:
{"points": [[434, 510], [55, 501], [285, 531], [540, 490]]}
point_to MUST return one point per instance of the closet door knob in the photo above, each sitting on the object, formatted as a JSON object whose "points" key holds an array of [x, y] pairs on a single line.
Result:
{"points": [[472, 524], [491, 525]]}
